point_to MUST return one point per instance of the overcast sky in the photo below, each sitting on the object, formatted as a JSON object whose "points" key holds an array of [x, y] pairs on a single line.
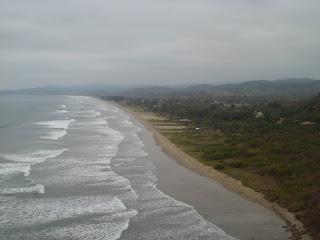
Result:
{"points": [[73, 42]]}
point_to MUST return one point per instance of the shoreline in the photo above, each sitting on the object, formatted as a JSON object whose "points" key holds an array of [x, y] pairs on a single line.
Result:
{"points": [[294, 225]]}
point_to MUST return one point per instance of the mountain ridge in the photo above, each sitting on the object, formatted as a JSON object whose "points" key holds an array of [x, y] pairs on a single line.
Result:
{"points": [[283, 88]]}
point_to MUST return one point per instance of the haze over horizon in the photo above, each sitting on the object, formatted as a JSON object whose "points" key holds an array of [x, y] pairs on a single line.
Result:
{"points": [[73, 42]]}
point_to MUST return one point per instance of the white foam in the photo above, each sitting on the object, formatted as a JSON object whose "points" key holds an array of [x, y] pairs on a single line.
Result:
{"points": [[109, 212], [62, 106], [103, 160], [75, 171], [61, 111], [127, 159], [14, 168], [57, 124], [88, 113], [55, 135], [101, 230], [34, 157], [97, 114], [99, 122], [126, 122], [38, 188], [62, 125], [111, 134], [22, 162], [93, 122], [111, 117]]}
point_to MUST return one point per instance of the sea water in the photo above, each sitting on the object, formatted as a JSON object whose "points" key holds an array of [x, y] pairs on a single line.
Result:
{"points": [[74, 167]]}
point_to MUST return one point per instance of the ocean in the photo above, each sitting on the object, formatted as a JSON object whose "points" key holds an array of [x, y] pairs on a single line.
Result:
{"points": [[74, 167]]}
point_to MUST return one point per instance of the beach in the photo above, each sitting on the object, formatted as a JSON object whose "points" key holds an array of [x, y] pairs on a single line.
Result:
{"points": [[81, 168], [229, 206], [77, 167]]}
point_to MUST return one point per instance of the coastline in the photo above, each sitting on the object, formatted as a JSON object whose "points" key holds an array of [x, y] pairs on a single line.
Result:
{"points": [[294, 225]]}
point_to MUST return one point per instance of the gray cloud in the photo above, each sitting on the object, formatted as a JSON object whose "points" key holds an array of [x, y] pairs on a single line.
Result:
{"points": [[157, 42]]}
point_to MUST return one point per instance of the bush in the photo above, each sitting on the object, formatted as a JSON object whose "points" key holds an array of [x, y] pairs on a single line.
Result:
{"points": [[236, 164], [217, 152], [219, 166]]}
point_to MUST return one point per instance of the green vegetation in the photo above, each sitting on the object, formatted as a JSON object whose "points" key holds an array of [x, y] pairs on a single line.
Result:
{"points": [[272, 147]]}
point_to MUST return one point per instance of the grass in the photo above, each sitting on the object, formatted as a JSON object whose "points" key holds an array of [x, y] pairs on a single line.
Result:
{"points": [[283, 164]]}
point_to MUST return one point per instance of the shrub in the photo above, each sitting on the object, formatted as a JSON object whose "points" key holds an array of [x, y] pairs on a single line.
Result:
{"points": [[219, 166], [236, 164]]}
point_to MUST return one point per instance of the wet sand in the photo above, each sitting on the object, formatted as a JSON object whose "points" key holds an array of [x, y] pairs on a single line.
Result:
{"points": [[241, 212]]}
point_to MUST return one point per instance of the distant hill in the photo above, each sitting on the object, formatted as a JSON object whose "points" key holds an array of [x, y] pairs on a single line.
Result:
{"points": [[279, 88], [149, 91], [295, 88], [90, 90], [292, 89]]}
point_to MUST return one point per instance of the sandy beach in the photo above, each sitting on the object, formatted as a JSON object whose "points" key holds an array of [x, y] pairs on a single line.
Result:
{"points": [[227, 182]]}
